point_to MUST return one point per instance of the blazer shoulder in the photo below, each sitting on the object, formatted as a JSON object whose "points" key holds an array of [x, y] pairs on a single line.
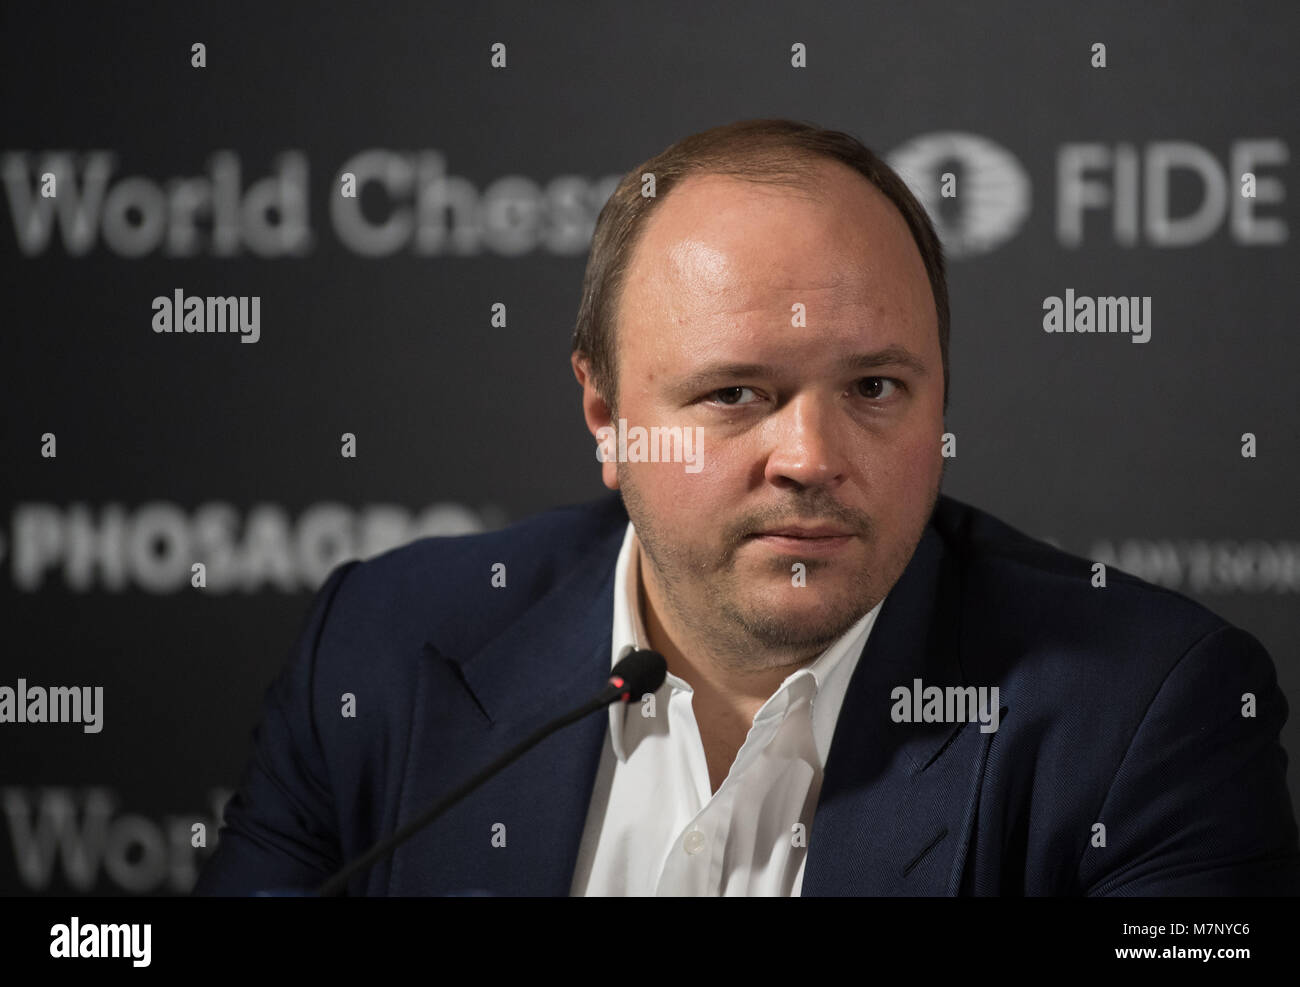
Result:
{"points": [[462, 589], [1016, 582]]}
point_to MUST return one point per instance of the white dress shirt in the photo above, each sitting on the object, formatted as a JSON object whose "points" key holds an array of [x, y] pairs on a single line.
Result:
{"points": [[656, 827]]}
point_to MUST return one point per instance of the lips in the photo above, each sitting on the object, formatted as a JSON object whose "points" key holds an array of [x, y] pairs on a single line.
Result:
{"points": [[821, 531], [805, 542]]}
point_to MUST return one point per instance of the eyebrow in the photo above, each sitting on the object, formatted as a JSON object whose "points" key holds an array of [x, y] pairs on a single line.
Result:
{"points": [[890, 356]]}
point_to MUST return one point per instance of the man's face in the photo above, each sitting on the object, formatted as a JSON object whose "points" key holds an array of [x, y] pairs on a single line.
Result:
{"points": [[834, 423]]}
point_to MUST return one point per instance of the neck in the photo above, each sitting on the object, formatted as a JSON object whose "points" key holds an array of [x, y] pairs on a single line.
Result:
{"points": [[716, 678]]}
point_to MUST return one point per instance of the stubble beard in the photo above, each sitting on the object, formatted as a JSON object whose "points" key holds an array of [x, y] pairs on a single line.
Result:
{"points": [[705, 592]]}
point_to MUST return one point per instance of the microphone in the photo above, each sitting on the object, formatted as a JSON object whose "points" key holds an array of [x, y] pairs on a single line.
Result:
{"points": [[636, 674]]}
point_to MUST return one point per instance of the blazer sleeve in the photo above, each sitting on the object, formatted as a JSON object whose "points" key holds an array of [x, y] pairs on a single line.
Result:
{"points": [[1199, 804], [280, 833]]}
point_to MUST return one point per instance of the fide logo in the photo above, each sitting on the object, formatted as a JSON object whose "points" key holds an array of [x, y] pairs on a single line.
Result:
{"points": [[992, 191]]}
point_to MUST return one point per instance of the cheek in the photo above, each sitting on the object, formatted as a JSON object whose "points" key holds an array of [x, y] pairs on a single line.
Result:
{"points": [[922, 461], [687, 507], [715, 470], [687, 494], [672, 490], [908, 471]]}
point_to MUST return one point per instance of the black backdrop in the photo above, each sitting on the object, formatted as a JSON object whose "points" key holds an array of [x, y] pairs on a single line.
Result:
{"points": [[480, 185]]}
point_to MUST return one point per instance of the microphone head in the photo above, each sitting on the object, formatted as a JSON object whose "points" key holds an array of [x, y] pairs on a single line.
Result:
{"points": [[639, 672]]}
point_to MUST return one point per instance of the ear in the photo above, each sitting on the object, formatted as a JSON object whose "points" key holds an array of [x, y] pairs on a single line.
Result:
{"points": [[599, 420]]}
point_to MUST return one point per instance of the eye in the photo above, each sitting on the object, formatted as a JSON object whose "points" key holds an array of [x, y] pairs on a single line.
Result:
{"points": [[729, 396], [874, 386]]}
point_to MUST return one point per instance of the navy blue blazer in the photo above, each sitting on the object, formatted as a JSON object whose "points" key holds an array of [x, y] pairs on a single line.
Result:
{"points": [[1119, 705]]}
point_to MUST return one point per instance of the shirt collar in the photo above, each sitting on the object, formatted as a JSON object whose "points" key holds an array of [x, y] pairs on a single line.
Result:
{"points": [[824, 681]]}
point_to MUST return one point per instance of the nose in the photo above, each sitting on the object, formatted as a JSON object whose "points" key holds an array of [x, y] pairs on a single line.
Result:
{"points": [[807, 450]]}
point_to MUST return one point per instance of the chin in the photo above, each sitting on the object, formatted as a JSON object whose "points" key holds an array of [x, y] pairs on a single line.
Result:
{"points": [[796, 605]]}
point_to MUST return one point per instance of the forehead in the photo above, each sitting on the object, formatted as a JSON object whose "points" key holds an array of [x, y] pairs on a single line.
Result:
{"points": [[719, 244]]}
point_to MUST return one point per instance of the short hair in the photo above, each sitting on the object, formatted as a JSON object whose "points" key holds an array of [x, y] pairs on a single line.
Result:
{"points": [[769, 151]]}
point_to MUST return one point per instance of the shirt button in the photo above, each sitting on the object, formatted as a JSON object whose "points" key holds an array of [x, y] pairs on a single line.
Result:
{"points": [[693, 842]]}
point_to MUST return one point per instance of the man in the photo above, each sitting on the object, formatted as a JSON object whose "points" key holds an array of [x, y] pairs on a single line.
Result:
{"points": [[872, 688]]}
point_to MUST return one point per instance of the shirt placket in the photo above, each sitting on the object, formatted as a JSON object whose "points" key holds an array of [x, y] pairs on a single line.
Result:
{"points": [[695, 863]]}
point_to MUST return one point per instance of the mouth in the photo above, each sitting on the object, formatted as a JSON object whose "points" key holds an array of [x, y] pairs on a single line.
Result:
{"points": [[796, 540], [812, 531]]}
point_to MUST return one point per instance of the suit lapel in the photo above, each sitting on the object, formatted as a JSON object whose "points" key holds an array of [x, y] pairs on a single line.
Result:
{"points": [[897, 802], [898, 799], [520, 832]]}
